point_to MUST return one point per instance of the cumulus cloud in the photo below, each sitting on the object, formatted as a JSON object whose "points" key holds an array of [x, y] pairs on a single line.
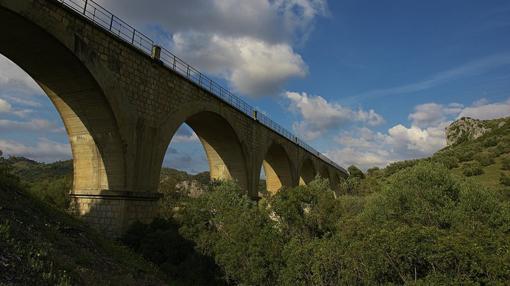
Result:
{"points": [[430, 114], [366, 148], [252, 66], [43, 150], [249, 43], [268, 20], [425, 135], [319, 116], [485, 110]]}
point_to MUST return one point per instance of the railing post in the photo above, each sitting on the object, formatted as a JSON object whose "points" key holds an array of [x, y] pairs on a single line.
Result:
{"points": [[255, 114], [133, 38], [174, 63], [156, 53], [85, 7], [111, 22]]}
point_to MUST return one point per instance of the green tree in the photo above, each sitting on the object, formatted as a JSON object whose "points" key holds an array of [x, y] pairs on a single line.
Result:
{"points": [[355, 172], [241, 237]]}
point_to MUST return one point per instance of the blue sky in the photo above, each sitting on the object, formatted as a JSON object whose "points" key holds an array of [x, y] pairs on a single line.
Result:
{"points": [[365, 82]]}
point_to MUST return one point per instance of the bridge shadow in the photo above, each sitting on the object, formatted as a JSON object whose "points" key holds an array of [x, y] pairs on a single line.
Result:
{"points": [[161, 243]]}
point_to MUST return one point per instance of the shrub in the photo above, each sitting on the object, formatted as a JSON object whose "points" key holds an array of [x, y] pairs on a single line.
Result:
{"points": [[484, 159], [355, 172], [472, 169], [505, 163], [465, 155], [490, 141], [504, 179], [449, 161], [374, 171], [397, 166], [502, 148]]}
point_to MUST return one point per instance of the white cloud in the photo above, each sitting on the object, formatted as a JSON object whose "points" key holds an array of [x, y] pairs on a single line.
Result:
{"points": [[249, 43], [13, 79], [184, 134], [5, 106], [44, 150], [268, 20], [252, 66], [430, 114], [319, 116], [423, 141], [426, 135], [34, 125], [364, 159], [485, 110]]}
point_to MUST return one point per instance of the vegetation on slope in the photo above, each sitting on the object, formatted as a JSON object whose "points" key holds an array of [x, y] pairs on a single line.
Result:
{"points": [[424, 226], [40, 245], [443, 220]]}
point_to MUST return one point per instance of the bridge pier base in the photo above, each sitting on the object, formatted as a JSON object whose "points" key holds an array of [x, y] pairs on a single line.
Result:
{"points": [[112, 212]]}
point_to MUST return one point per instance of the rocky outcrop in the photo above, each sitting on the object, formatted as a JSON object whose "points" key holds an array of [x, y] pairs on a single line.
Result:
{"points": [[465, 129]]}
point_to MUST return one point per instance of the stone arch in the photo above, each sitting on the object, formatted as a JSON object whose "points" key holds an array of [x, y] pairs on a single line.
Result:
{"points": [[307, 172], [277, 167], [87, 115], [221, 144]]}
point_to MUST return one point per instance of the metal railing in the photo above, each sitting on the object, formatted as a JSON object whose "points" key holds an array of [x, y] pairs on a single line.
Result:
{"points": [[117, 27]]}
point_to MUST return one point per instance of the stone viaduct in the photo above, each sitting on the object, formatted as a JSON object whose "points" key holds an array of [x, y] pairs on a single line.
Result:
{"points": [[122, 98]]}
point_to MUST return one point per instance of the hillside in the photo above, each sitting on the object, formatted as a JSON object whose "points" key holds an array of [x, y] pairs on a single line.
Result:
{"points": [[481, 153], [40, 245], [452, 207], [478, 150]]}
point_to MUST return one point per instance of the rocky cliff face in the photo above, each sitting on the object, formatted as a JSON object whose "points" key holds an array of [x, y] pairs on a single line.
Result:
{"points": [[465, 129]]}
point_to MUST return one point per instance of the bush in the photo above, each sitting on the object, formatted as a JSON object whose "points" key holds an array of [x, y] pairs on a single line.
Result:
{"points": [[465, 155], [505, 163], [504, 179], [490, 141], [472, 169], [397, 166], [374, 171], [244, 241], [355, 172], [449, 161], [7, 180], [54, 191], [428, 228], [484, 159]]}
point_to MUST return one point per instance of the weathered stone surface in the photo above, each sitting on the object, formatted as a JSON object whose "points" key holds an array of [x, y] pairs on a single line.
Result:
{"points": [[121, 108], [463, 129]]}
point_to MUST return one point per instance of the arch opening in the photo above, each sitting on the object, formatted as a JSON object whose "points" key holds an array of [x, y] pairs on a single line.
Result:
{"points": [[277, 169], [87, 116], [307, 172], [214, 147]]}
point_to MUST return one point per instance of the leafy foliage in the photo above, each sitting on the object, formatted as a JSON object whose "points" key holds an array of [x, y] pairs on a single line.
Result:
{"points": [[355, 172], [472, 169]]}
